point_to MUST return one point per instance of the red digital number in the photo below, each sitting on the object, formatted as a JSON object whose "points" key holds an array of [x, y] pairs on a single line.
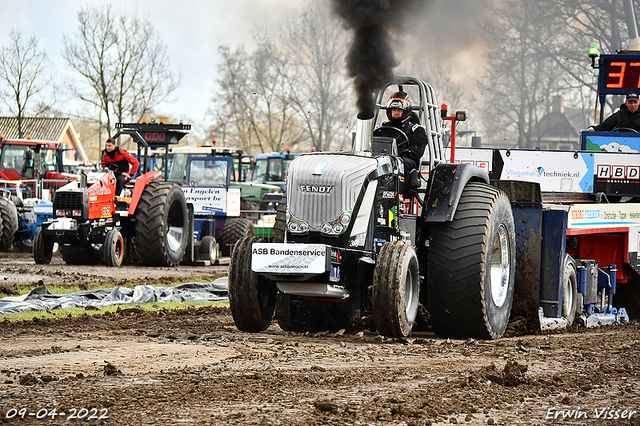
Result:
{"points": [[154, 137], [619, 75], [636, 64]]}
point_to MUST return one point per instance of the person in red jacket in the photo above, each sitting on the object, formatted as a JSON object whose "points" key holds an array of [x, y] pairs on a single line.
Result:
{"points": [[119, 160]]}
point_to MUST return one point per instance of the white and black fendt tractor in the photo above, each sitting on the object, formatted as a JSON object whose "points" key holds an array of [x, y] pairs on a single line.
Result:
{"points": [[366, 241], [362, 242]]}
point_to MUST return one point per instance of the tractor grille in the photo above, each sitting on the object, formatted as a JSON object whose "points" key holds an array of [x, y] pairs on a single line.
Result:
{"points": [[67, 200], [321, 186]]}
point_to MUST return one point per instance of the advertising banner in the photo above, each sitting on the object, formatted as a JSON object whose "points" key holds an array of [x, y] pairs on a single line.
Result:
{"points": [[206, 201], [290, 258]]}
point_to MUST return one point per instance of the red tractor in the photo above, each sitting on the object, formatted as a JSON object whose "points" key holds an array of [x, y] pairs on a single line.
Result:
{"points": [[29, 166], [150, 224]]}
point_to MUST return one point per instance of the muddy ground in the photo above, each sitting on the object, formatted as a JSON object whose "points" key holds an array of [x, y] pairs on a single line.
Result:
{"points": [[193, 366]]}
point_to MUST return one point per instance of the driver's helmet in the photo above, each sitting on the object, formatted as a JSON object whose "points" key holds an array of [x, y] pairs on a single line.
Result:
{"points": [[399, 100]]}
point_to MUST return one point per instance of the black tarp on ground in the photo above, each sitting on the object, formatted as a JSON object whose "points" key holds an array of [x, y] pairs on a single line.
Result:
{"points": [[41, 299]]}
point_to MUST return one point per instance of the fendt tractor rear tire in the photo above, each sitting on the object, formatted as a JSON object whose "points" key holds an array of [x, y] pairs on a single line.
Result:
{"points": [[162, 224], [8, 223], [113, 249], [252, 298], [471, 266], [396, 289], [81, 254], [569, 289], [281, 221], [42, 249], [233, 231]]}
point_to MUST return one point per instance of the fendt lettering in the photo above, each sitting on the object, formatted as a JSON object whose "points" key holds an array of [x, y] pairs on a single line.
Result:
{"points": [[321, 189]]}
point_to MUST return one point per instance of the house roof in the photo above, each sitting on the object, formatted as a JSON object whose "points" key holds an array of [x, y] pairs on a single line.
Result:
{"points": [[43, 128], [556, 126]]}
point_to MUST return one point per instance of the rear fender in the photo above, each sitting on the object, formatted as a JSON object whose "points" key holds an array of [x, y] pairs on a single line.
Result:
{"points": [[445, 188], [140, 185]]}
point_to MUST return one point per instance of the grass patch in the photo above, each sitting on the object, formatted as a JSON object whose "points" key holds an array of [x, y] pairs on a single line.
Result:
{"points": [[78, 312]]}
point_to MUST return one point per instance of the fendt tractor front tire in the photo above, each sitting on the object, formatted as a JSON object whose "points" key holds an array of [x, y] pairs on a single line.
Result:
{"points": [[471, 266], [162, 224], [252, 298], [8, 223], [233, 231], [42, 249], [396, 289], [569, 289], [113, 248]]}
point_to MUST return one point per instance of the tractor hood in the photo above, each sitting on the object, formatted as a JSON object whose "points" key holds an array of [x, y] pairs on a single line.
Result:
{"points": [[322, 186]]}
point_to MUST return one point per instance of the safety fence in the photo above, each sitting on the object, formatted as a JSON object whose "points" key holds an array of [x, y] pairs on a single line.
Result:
{"points": [[34, 188]]}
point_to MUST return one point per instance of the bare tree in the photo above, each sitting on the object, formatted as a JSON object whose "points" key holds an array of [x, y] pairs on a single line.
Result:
{"points": [[289, 92], [451, 93], [123, 63], [23, 73], [598, 23], [520, 80], [320, 90], [252, 107], [229, 108], [540, 50]]}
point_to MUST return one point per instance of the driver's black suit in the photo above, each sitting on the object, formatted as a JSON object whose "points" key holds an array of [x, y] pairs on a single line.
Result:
{"points": [[622, 118], [412, 151]]}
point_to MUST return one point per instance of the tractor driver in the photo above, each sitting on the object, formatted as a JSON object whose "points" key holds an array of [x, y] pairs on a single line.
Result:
{"points": [[119, 160], [213, 175], [401, 117], [627, 118]]}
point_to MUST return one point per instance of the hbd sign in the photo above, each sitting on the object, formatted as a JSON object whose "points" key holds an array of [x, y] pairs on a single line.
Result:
{"points": [[607, 171]]}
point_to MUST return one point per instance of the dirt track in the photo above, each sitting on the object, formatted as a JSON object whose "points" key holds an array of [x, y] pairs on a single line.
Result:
{"points": [[194, 367]]}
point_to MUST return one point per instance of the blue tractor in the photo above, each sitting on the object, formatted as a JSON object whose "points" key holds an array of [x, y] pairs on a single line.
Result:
{"points": [[272, 168]]}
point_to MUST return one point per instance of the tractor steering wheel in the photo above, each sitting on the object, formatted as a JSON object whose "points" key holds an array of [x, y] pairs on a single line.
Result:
{"points": [[402, 140], [111, 166], [625, 129]]}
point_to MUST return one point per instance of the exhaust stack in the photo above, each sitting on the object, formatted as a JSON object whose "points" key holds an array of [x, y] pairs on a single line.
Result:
{"points": [[364, 133]]}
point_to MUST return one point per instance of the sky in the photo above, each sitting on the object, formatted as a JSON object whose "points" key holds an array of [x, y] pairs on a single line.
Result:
{"points": [[191, 29]]}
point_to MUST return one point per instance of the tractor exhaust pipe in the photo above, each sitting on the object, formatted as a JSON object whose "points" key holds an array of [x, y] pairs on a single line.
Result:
{"points": [[364, 133]]}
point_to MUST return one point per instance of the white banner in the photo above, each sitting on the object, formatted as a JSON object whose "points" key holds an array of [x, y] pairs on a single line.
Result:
{"points": [[289, 258], [233, 202], [210, 201], [615, 215]]}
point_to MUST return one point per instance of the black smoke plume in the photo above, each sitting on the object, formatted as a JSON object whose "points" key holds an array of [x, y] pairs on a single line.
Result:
{"points": [[371, 59]]}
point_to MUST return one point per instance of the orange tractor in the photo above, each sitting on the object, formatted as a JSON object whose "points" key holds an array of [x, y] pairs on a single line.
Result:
{"points": [[150, 224]]}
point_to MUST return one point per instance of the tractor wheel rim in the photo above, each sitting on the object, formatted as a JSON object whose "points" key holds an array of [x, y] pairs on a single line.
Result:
{"points": [[176, 230], [174, 237], [410, 300], [119, 251], [499, 273]]}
